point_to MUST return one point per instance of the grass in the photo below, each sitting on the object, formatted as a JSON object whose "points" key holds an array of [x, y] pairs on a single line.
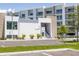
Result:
{"points": [[30, 48]]}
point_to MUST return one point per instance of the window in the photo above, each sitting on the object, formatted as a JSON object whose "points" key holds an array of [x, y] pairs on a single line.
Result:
{"points": [[58, 11], [9, 36], [23, 16], [14, 36], [30, 12], [59, 17], [59, 23], [31, 18], [11, 25], [14, 25], [48, 12], [71, 10], [39, 13]]}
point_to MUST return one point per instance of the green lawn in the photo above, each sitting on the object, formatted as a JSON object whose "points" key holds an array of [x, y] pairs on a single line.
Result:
{"points": [[30, 48]]}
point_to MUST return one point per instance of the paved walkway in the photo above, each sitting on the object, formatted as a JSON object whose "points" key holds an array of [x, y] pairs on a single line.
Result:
{"points": [[51, 52], [6, 43]]}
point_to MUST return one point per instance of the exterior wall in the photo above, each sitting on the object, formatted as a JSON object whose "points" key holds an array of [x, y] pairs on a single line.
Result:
{"points": [[7, 31], [32, 26], [2, 19], [28, 29], [35, 28], [53, 26]]}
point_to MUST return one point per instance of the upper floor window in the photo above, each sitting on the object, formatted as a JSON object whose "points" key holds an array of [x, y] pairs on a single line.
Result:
{"points": [[30, 12], [31, 18], [58, 11], [59, 23], [48, 12], [39, 13], [11, 25], [69, 10], [22, 15], [59, 17]]}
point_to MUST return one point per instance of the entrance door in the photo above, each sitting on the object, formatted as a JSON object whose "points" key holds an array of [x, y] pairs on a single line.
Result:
{"points": [[45, 29]]}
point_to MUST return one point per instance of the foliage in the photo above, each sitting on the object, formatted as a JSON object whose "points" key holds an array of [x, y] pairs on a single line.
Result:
{"points": [[62, 31], [38, 36], [31, 36], [23, 36]]}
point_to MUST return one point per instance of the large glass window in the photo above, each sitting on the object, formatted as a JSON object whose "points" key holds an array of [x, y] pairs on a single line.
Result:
{"points": [[58, 11], [48, 12], [69, 9], [59, 17], [9, 36], [22, 16], [11, 25], [14, 25], [59, 23], [39, 13]]}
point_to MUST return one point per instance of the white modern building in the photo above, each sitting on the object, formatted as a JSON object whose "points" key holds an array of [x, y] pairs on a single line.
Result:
{"points": [[44, 26], [45, 21]]}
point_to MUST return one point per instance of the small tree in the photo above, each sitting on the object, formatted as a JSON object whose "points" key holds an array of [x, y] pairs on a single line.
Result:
{"points": [[62, 31]]}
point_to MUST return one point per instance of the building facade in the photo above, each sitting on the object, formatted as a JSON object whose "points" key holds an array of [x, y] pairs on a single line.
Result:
{"points": [[62, 13], [44, 26], [45, 21]]}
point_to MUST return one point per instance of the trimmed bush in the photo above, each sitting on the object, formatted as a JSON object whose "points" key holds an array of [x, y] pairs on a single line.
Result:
{"points": [[31, 36], [23, 36], [38, 36]]}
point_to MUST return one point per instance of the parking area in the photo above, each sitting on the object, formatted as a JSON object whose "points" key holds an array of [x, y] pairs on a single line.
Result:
{"points": [[64, 52]]}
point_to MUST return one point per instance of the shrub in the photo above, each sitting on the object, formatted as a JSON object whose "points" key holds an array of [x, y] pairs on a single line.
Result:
{"points": [[38, 36], [2, 38], [32, 36], [23, 36]]}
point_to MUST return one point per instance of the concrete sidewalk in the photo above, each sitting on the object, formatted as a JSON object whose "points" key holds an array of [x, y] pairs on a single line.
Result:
{"points": [[10, 43]]}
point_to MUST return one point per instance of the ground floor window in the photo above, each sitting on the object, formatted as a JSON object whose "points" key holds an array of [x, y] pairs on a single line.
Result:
{"points": [[11, 36], [11, 25]]}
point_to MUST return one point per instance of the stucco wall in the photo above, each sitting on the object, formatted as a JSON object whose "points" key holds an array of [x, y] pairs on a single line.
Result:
{"points": [[28, 29], [2, 19]]}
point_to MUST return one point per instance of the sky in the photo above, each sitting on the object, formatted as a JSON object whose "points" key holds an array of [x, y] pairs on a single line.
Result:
{"points": [[21, 6]]}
